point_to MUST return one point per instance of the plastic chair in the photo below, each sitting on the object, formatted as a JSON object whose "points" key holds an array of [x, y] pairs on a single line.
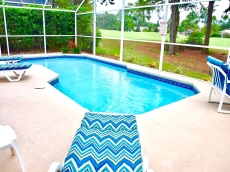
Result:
{"points": [[9, 140], [220, 82]]}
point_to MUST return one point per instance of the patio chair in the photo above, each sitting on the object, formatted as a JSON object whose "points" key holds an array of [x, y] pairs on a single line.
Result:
{"points": [[9, 140], [105, 142], [220, 81], [15, 67], [10, 59]]}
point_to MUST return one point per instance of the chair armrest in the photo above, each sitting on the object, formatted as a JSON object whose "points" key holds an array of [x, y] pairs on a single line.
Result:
{"points": [[55, 167]]}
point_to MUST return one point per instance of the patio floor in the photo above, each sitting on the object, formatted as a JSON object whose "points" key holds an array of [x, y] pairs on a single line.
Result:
{"points": [[186, 136]]}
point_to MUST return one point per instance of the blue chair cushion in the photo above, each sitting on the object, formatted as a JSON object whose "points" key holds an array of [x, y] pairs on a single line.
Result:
{"points": [[221, 64], [105, 143], [224, 67], [15, 66], [10, 58]]}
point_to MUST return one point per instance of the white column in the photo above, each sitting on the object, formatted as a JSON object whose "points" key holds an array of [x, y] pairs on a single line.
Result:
{"points": [[44, 26], [94, 26], [82, 2], [163, 37], [5, 25], [75, 26], [122, 30]]}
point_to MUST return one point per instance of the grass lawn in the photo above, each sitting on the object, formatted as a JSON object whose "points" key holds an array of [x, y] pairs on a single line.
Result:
{"points": [[109, 47], [154, 36]]}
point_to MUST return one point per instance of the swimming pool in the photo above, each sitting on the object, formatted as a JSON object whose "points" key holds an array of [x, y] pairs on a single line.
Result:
{"points": [[104, 87]]}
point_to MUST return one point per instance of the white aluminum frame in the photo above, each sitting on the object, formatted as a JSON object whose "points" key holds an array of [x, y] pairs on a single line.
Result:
{"points": [[122, 39]]}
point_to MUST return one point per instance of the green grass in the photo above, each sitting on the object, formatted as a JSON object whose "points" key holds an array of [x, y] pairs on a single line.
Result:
{"points": [[110, 47], [154, 36], [220, 42], [104, 49]]}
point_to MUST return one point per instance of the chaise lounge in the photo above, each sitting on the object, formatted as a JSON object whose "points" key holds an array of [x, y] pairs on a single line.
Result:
{"points": [[14, 67], [10, 59], [220, 81], [105, 142]]}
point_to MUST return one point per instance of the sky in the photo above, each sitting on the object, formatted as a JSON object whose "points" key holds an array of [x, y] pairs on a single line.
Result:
{"points": [[220, 6]]}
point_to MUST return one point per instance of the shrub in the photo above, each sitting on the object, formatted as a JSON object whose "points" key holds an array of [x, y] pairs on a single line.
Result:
{"points": [[226, 35], [145, 30], [65, 50], [130, 58], [152, 65], [117, 56], [178, 70], [71, 45], [195, 38], [76, 50], [217, 35], [29, 22]]}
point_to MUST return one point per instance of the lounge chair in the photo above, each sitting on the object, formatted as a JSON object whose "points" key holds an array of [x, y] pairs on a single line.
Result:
{"points": [[220, 81], [105, 142], [15, 67], [10, 59], [9, 140]]}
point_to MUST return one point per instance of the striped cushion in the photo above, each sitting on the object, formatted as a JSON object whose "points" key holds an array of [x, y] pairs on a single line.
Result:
{"points": [[15, 66], [10, 58], [105, 143]]}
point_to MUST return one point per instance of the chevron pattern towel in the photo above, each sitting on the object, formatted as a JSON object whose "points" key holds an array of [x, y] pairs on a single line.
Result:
{"points": [[10, 58], [105, 143], [15, 66]]}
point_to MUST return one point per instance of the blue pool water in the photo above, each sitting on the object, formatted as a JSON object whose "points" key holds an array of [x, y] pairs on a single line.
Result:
{"points": [[105, 88]]}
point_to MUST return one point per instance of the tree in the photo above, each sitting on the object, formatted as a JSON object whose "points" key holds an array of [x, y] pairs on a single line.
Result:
{"points": [[191, 22], [224, 22], [138, 16], [175, 19], [175, 16], [61, 4], [228, 9], [208, 24], [129, 23], [108, 21]]}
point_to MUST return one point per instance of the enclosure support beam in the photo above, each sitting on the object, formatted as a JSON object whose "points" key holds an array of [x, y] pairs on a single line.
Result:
{"points": [[76, 20], [75, 27], [5, 25], [122, 30], [228, 58], [163, 37], [94, 26], [44, 26]]}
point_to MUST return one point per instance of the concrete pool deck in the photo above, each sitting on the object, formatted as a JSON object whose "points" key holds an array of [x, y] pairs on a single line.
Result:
{"points": [[185, 136]]}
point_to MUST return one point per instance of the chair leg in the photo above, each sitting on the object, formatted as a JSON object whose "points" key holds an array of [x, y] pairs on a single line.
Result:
{"points": [[210, 95], [13, 80], [24, 72], [19, 155], [12, 151], [221, 103]]}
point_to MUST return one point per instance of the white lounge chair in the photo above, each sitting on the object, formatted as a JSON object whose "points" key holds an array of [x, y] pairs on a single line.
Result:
{"points": [[105, 142], [220, 82], [8, 139], [14, 67]]}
